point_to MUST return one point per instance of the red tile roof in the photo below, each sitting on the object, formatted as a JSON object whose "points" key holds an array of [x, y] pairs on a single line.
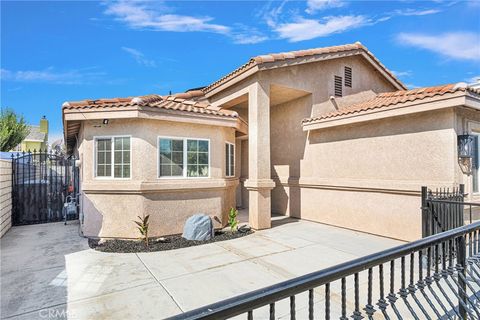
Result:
{"points": [[355, 48], [173, 102], [391, 99]]}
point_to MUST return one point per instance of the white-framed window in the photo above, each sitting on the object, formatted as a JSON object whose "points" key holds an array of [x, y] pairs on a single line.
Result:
{"points": [[229, 159], [112, 157], [183, 157]]}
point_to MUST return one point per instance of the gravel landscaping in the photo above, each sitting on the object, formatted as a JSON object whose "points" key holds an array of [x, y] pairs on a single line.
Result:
{"points": [[160, 244]]}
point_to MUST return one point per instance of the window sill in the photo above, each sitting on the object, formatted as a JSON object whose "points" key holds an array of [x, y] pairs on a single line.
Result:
{"points": [[161, 185]]}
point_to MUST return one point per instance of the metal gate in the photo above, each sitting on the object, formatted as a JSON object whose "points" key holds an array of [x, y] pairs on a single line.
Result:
{"points": [[442, 210], [41, 181]]}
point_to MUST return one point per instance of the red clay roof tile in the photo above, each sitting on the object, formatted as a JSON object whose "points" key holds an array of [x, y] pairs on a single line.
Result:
{"points": [[155, 101], [390, 99], [355, 48]]}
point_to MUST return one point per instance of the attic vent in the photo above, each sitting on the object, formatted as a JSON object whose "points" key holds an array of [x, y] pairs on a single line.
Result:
{"points": [[338, 86], [348, 77]]}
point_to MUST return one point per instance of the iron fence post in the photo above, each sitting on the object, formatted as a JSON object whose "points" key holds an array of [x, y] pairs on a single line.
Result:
{"points": [[461, 267], [462, 199], [425, 217]]}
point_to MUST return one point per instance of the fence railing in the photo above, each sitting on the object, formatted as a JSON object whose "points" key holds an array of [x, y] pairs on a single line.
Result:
{"points": [[437, 277], [445, 209]]}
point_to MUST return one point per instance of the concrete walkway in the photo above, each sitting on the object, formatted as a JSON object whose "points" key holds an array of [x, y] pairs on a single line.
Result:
{"points": [[48, 271]]}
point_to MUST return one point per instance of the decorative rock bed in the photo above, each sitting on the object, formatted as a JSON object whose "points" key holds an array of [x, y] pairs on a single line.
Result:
{"points": [[161, 244]]}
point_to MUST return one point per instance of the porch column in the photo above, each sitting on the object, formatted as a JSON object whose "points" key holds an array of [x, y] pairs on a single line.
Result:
{"points": [[259, 183]]}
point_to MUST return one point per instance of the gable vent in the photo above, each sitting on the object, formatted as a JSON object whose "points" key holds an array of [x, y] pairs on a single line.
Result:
{"points": [[348, 77], [338, 86]]}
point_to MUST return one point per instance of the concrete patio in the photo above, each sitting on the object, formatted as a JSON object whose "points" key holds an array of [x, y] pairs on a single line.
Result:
{"points": [[48, 271]]}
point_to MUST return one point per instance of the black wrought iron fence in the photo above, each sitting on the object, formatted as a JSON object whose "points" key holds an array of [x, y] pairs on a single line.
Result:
{"points": [[445, 209], [395, 283]]}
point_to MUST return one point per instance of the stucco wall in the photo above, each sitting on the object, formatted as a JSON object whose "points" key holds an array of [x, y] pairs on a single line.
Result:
{"points": [[367, 176], [110, 206], [5, 196]]}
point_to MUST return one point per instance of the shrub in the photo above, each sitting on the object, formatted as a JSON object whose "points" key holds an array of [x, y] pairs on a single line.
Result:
{"points": [[232, 219], [13, 129], [143, 228]]}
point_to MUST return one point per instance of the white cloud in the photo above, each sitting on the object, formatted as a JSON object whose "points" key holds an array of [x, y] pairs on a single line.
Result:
{"points": [[474, 79], [155, 16], [139, 57], [50, 75], [143, 15], [416, 12], [306, 29], [407, 73], [317, 5], [455, 45]]}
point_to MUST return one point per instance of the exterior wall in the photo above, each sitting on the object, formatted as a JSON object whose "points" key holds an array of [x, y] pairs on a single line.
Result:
{"points": [[368, 176], [286, 128], [5, 196], [318, 79], [110, 206], [32, 145]]}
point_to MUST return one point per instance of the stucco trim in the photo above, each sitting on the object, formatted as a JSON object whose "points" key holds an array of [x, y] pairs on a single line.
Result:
{"points": [[171, 185], [437, 103], [361, 185]]}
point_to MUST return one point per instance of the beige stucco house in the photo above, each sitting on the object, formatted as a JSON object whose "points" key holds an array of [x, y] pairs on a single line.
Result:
{"points": [[327, 134]]}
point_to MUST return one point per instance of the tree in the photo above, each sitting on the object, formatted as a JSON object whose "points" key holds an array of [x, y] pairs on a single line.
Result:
{"points": [[13, 129]]}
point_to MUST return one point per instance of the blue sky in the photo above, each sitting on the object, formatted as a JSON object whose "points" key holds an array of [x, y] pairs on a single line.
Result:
{"points": [[53, 52]]}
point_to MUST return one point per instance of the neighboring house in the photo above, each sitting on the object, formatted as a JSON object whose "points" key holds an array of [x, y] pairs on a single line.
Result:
{"points": [[328, 135], [37, 138]]}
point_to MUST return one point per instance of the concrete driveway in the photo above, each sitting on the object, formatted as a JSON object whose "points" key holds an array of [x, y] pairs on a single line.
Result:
{"points": [[48, 271]]}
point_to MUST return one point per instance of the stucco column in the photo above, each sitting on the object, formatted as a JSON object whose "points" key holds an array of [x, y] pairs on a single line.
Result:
{"points": [[259, 183]]}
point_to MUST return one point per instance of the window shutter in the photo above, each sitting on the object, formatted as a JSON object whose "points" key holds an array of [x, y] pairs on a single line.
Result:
{"points": [[338, 86], [348, 77]]}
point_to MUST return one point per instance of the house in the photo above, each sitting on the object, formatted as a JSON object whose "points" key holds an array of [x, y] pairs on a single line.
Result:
{"points": [[327, 134], [37, 138]]}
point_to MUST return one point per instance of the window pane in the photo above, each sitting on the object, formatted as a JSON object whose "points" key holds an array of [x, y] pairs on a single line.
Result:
{"points": [[126, 143], [192, 158], [202, 145], [165, 170], [100, 170], [165, 146], [192, 171], [126, 171], [177, 170], [100, 145], [108, 170], [177, 145], [101, 158], [164, 160], [108, 157], [118, 157], [126, 157], [117, 172], [203, 171], [192, 145], [203, 158], [177, 158], [118, 144]]}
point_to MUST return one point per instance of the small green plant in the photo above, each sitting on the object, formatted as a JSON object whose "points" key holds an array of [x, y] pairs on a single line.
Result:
{"points": [[232, 219], [143, 228]]}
